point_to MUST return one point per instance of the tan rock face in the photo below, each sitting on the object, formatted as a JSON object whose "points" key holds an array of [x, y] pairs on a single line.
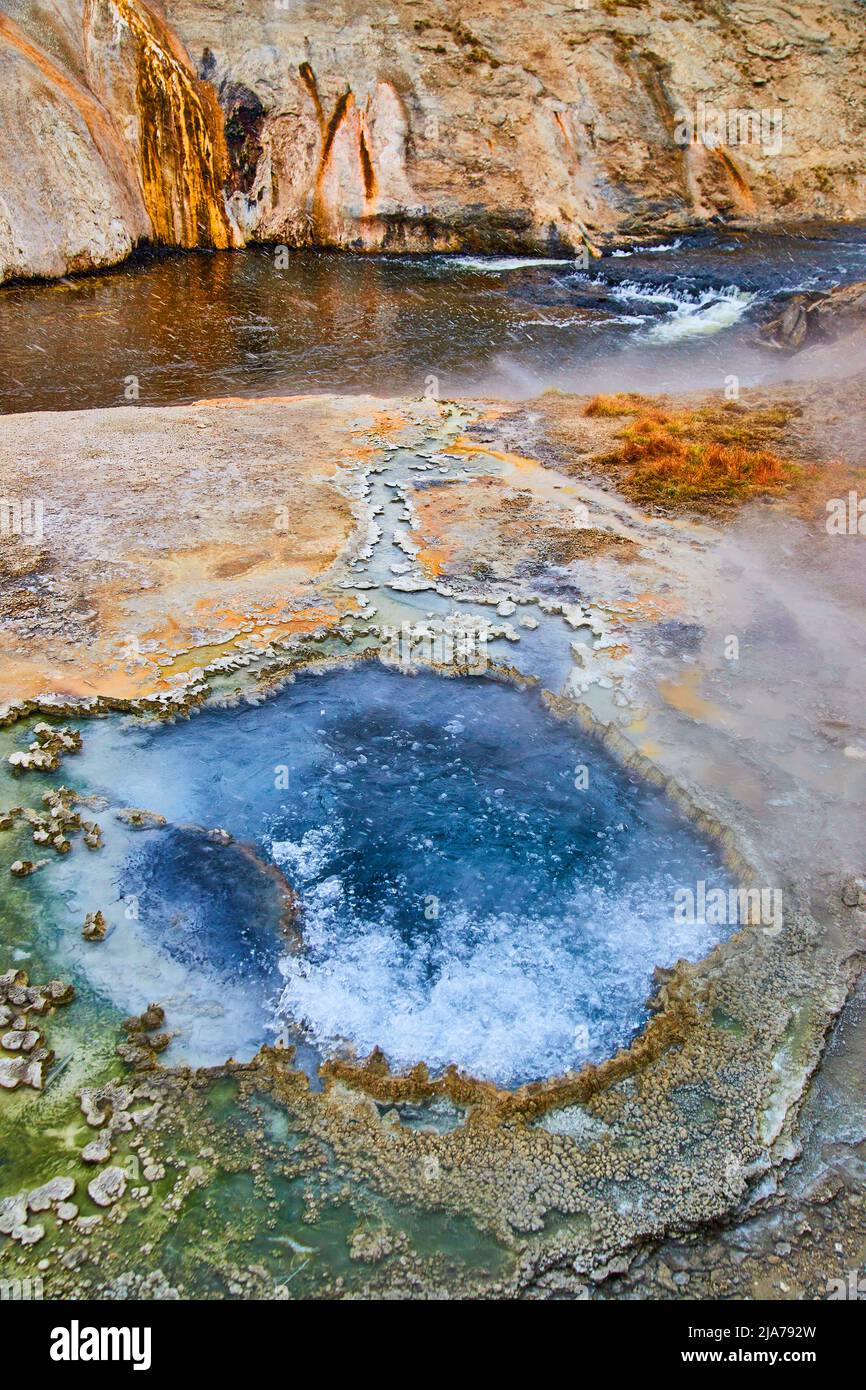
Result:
{"points": [[109, 139], [407, 126], [498, 125], [67, 199]]}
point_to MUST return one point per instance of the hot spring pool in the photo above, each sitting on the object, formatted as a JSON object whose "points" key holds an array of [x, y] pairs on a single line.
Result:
{"points": [[478, 882]]}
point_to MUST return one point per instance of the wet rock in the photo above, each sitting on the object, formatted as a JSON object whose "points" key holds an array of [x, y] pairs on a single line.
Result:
{"points": [[35, 759], [143, 1041], [28, 1235], [104, 1104], [140, 820], [24, 1071], [47, 750], [95, 927], [13, 1212], [60, 992], [87, 1224], [98, 1150], [134, 1054], [20, 1040], [370, 1247], [153, 1017], [854, 892], [55, 1190], [59, 800], [620, 1264], [813, 318], [17, 1000], [63, 739], [92, 834], [108, 1187]]}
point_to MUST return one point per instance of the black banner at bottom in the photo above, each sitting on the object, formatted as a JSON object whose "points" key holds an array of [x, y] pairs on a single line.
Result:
{"points": [[148, 1337]]}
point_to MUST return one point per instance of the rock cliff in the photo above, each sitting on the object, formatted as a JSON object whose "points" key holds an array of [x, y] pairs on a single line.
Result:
{"points": [[410, 125]]}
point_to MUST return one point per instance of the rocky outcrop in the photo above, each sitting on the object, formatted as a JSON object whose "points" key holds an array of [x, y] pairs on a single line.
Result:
{"points": [[67, 198], [817, 318], [400, 126], [110, 139]]}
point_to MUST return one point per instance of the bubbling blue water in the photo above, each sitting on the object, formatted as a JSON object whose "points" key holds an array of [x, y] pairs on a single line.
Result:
{"points": [[480, 882]]}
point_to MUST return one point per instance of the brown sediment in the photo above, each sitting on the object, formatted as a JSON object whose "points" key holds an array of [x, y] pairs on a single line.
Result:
{"points": [[308, 77], [329, 132]]}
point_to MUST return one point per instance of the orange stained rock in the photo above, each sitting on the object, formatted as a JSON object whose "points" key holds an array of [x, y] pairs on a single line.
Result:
{"points": [[389, 422], [433, 560], [468, 446], [746, 196], [183, 157], [101, 670], [683, 695], [440, 513], [647, 607], [170, 561]]}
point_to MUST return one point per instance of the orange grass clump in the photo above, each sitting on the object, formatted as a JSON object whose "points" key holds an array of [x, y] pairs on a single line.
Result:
{"points": [[622, 403], [703, 458]]}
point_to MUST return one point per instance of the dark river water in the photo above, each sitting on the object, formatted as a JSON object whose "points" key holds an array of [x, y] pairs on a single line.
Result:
{"points": [[183, 327]]}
